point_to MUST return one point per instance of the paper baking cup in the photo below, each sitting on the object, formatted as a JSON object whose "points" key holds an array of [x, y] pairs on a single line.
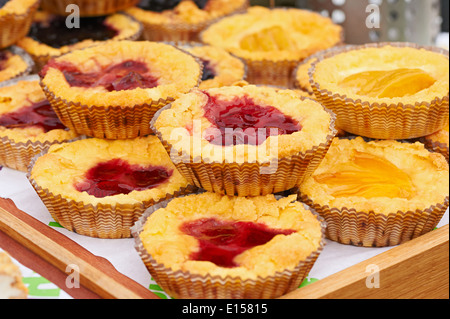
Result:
{"points": [[369, 229], [108, 122], [99, 221], [14, 27], [383, 121], [87, 8], [248, 179], [18, 155], [185, 285], [187, 32]]}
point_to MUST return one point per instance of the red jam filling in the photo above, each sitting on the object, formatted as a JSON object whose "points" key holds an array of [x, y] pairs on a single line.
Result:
{"points": [[221, 241], [127, 75], [38, 114], [242, 121], [119, 177]]}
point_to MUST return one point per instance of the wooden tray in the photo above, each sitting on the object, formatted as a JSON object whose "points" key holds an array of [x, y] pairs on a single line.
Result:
{"points": [[418, 269]]}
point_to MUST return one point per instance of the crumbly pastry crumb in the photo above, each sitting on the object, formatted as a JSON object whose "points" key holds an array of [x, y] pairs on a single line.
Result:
{"points": [[11, 284]]}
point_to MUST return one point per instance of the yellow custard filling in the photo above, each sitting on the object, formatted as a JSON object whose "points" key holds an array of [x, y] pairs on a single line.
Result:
{"points": [[389, 84], [367, 175], [269, 39]]}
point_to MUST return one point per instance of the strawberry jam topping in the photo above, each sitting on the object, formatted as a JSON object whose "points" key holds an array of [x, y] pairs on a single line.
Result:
{"points": [[242, 121], [39, 114], [127, 75], [162, 5], [221, 241], [90, 28], [119, 177]]}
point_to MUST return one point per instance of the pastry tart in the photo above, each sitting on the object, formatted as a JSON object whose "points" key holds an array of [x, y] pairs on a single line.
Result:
{"points": [[112, 90], [219, 67], [245, 141], [438, 142], [28, 125], [378, 193], [43, 44], [15, 20], [87, 8], [208, 246], [11, 282], [385, 90], [182, 20], [273, 41], [99, 188], [14, 63]]}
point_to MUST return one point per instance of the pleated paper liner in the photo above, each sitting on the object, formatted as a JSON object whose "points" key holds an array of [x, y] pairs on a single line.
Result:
{"points": [[100, 221], [370, 229], [109, 122], [275, 72], [14, 27], [28, 60], [437, 147], [383, 121], [186, 32], [41, 60], [87, 8], [248, 179], [18, 155], [185, 285]]}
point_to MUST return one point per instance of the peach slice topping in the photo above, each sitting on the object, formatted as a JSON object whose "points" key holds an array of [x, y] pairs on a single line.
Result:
{"points": [[389, 84], [368, 176], [269, 39]]}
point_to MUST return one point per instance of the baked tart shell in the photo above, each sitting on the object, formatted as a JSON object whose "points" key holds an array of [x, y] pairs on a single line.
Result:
{"points": [[26, 58], [185, 285], [179, 31], [369, 229], [277, 72], [19, 154], [108, 122], [247, 179], [381, 120], [16, 26], [88, 8], [99, 221]]}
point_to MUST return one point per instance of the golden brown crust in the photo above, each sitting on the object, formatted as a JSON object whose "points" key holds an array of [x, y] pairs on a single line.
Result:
{"points": [[330, 71], [177, 73], [17, 7], [127, 29], [18, 95], [164, 241], [87, 8], [274, 34], [64, 165], [315, 122], [14, 65], [428, 173], [188, 13], [228, 69]]}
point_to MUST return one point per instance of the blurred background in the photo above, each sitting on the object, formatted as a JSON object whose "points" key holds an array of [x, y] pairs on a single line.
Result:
{"points": [[424, 22]]}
